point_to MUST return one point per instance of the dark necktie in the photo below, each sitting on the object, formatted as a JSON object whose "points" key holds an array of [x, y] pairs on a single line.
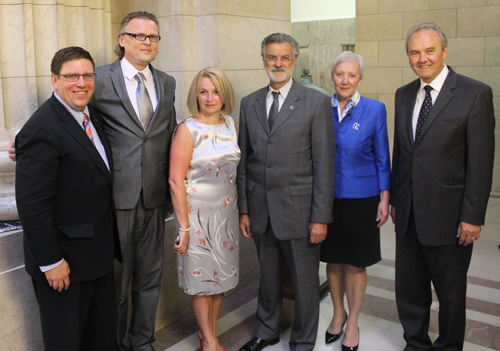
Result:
{"points": [[424, 111], [143, 101], [275, 107]]}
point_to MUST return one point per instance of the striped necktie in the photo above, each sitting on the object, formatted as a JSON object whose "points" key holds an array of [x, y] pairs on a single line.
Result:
{"points": [[86, 128]]}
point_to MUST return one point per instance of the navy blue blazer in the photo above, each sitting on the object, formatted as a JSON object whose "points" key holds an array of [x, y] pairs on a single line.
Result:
{"points": [[363, 166]]}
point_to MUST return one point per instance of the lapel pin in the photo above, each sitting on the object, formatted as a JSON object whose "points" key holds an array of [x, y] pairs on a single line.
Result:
{"points": [[356, 126], [291, 107]]}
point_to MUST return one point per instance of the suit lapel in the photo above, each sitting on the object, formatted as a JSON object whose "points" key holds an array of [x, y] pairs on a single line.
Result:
{"points": [[159, 92], [290, 105], [444, 97], [98, 126], [410, 107], [119, 85], [76, 131], [260, 108]]}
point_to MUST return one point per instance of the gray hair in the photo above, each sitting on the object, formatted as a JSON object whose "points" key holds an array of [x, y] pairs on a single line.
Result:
{"points": [[427, 26], [349, 56], [279, 38], [119, 50]]}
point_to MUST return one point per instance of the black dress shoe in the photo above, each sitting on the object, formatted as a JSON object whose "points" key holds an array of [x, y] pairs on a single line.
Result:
{"points": [[257, 344], [351, 348], [329, 338]]}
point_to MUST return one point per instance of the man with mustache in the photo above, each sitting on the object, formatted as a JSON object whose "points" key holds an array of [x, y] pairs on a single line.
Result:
{"points": [[285, 190]]}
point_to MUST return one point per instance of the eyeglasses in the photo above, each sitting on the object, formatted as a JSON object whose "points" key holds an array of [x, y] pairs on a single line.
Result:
{"points": [[142, 37], [273, 59], [74, 77]]}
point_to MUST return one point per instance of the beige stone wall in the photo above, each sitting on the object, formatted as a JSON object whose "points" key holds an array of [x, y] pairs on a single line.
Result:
{"points": [[473, 31], [201, 33]]}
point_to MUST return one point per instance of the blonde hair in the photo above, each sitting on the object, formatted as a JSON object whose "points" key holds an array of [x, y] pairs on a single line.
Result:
{"points": [[221, 83]]}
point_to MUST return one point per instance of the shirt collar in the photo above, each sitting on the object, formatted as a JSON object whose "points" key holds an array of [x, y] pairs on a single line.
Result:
{"points": [[284, 90], [352, 102], [78, 115], [438, 82], [129, 71]]}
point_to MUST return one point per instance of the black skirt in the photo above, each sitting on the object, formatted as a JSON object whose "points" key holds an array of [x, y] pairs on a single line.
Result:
{"points": [[353, 237]]}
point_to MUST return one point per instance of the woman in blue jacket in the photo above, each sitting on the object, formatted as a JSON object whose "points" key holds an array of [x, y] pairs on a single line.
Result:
{"points": [[361, 205]]}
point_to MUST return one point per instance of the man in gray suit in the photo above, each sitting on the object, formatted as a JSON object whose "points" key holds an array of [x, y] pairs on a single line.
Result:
{"points": [[136, 102], [441, 180], [285, 190]]}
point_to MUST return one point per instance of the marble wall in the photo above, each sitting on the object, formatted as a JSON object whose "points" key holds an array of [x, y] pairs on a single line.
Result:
{"points": [[320, 42], [473, 40]]}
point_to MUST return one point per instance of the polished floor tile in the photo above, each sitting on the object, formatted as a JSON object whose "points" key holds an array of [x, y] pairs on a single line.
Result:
{"points": [[378, 322]]}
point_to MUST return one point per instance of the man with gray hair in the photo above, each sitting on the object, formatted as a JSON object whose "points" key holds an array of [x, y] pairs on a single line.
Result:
{"points": [[136, 102], [441, 179], [285, 191]]}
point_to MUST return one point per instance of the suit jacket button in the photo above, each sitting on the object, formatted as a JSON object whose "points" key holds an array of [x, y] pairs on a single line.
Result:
{"points": [[146, 140], [270, 142], [268, 165]]}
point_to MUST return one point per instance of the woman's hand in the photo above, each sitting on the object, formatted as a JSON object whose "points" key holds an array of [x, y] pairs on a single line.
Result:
{"points": [[383, 209], [181, 247]]}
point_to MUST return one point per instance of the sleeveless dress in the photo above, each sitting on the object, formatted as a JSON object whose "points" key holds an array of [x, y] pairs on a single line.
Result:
{"points": [[211, 263]]}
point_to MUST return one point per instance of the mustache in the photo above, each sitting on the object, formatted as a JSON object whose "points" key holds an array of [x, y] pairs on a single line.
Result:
{"points": [[278, 69]]}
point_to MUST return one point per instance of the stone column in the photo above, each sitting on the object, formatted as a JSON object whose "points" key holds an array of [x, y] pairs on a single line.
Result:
{"points": [[32, 31]]}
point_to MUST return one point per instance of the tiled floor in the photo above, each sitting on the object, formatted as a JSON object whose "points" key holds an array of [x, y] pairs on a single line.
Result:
{"points": [[379, 324]]}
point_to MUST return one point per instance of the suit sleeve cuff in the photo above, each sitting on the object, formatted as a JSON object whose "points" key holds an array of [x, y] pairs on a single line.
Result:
{"points": [[51, 266]]}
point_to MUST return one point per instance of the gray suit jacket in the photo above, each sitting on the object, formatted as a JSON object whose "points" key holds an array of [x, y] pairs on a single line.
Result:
{"points": [[286, 174], [140, 157], [446, 175]]}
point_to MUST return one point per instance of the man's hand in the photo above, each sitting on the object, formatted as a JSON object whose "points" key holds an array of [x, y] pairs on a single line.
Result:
{"points": [[393, 214], [11, 150], [318, 232], [245, 226], [58, 277], [468, 233]]}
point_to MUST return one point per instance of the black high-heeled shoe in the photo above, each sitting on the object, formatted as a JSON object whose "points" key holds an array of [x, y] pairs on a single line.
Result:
{"points": [[330, 338], [351, 348]]}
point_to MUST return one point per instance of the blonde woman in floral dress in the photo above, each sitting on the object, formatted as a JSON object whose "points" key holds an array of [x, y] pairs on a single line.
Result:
{"points": [[203, 161]]}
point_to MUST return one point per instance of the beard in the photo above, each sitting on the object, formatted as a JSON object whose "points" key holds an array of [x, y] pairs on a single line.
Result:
{"points": [[274, 78]]}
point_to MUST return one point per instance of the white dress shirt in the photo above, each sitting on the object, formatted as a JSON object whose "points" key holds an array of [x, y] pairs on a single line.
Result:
{"points": [[436, 85], [129, 73], [284, 90]]}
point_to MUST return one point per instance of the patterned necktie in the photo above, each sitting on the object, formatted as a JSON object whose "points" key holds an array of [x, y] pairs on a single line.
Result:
{"points": [[273, 113], [86, 128], [143, 101], [424, 111]]}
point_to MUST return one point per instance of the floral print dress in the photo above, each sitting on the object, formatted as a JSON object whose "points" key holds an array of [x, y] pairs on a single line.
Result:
{"points": [[211, 263]]}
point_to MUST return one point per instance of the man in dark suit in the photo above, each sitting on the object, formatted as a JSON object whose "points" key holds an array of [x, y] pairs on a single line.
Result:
{"points": [[441, 180], [285, 190], [64, 193], [137, 105]]}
